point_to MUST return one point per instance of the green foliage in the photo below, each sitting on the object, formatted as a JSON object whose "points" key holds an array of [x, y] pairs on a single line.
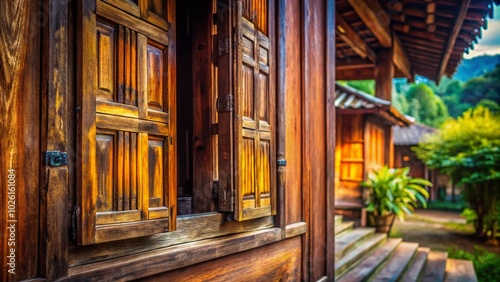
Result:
{"points": [[425, 106], [486, 264], [447, 205], [468, 149], [393, 191], [367, 86]]}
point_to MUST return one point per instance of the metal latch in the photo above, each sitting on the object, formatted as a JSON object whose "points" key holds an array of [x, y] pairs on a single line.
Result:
{"points": [[55, 158], [225, 104]]}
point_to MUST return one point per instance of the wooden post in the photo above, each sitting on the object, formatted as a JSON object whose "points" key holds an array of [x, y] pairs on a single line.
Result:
{"points": [[389, 144], [20, 58], [281, 116], [55, 129], [384, 72]]}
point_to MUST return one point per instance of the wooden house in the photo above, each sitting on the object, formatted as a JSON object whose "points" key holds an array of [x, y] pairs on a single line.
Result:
{"points": [[363, 144], [169, 140], [404, 139]]}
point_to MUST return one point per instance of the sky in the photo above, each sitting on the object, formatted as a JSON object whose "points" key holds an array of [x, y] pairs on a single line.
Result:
{"points": [[490, 43]]}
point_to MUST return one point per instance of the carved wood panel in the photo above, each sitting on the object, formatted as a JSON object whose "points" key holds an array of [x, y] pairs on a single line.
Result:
{"points": [[127, 135]]}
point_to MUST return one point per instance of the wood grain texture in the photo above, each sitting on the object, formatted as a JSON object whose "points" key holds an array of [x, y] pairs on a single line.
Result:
{"points": [[20, 35], [190, 228], [162, 260], [203, 98], [278, 262], [384, 72], [289, 56]]}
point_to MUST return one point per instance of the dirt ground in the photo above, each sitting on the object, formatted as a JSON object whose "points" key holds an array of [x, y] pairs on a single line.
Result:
{"points": [[430, 229]]}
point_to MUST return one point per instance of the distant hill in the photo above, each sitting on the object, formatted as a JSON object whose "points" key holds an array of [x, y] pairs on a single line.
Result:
{"points": [[476, 66]]}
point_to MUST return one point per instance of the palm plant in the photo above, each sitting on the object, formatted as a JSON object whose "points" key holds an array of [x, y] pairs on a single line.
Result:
{"points": [[392, 192]]}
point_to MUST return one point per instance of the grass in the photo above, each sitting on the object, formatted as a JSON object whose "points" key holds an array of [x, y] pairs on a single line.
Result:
{"points": [[452, 226]]}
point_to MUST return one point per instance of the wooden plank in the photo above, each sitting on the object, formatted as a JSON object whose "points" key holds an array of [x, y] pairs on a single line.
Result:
{"points": [[375, 18], [330, 138], [436, 267], [345, 242], [20, 134], [290, 68], [351, 37], [107, 11], [394, 267], [162, 260], [295, 229], [460, 270], [400, 58], [54, 256], [202, 103], [190, 228], [459, 19], [416, 268], [379, 247], [384, 72], [276, 262]]}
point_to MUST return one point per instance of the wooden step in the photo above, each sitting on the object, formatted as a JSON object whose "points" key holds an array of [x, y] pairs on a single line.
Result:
{"points": [[460, 270], [345, 241], [435, 268], [417, 266], [355, 255], [393, 269], [338, 219], [344, 226], [369, 265]]}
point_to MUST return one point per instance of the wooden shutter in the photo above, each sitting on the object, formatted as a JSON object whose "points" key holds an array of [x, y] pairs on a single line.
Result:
{"points": [[126, 118], [246, 106]]}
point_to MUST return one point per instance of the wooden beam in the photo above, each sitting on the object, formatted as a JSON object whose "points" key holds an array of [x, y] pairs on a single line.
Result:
{"points": [[375, 18], [400, 58], [348, 63], [349, 36], [355, 74], [453, 37], [384, 72]]}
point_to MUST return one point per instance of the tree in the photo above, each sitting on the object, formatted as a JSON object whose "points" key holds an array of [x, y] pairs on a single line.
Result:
{"points": [[468, 149], [425, 106], [367, 86]]}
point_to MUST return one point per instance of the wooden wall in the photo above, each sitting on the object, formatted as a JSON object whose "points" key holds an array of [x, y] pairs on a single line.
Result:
{"points": [[277, 262], [350, 153], [21, 23], [34, 120]]}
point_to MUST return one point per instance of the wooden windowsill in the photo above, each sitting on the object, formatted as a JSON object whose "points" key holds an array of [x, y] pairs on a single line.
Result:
{"points": [[158, 261]]}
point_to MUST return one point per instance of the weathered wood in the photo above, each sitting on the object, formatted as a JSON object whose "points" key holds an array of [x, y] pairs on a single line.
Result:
{"points": [[379, 248], [295, 229], [375, 18], [277, 262], [460, 270], [189, 228], [400, 58], [394, 267], [384, 72], [330, 138], [349, 36], [290, 69], [459, 19], [348, 240], [436, 267], [20, 36], [202, 47], [415, 269], [162, 260]]}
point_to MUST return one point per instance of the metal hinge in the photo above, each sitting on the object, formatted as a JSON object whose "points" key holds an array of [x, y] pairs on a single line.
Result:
{"points": [[223, 46], [55, 158], [225, 104]]}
